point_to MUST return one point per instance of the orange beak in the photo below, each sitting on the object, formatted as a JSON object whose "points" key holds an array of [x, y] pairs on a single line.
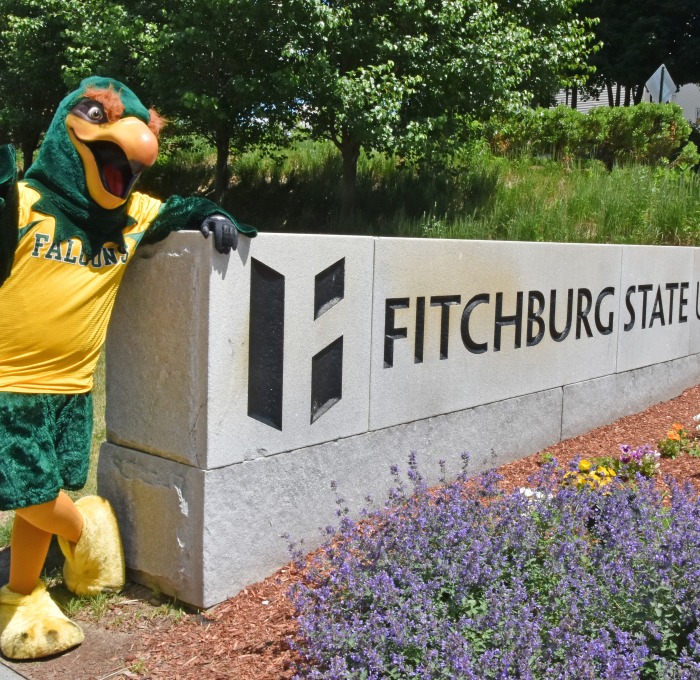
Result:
{"points": [[113, 154]]}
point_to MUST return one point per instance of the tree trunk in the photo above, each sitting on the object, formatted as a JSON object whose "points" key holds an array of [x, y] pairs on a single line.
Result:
{"points": [[638, 94], [574, 97], [28, 148], [608, 87], [628, 95], [350, 151], [617, 95], [223, 139]]}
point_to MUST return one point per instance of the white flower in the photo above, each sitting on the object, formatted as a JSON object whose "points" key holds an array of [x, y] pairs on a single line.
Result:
{"points": [[531, 493]]}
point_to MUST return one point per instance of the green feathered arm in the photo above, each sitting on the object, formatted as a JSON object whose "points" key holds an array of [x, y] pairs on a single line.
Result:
{"points": [[178, 214], [9, 210]]}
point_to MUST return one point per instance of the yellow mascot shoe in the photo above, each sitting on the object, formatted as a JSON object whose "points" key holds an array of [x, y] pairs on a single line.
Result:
{"points": [[32, 626], [95, 563]]}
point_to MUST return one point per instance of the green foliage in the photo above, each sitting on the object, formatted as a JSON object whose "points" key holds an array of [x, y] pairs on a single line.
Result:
{"points": [[47, 47], [677, 442], [217, 66], [184, 173], [408, 74], [479, 196], [6, 532], [298, 190], [94, 607], [688, 157], [106, 37], [31, 36], [647, 133]]}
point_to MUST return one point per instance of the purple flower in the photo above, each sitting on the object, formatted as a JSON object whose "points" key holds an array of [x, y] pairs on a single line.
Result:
{"points": [[462, 581]]}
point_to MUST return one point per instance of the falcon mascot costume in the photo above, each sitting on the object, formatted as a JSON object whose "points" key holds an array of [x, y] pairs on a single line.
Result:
{"points": [[67, 231]]}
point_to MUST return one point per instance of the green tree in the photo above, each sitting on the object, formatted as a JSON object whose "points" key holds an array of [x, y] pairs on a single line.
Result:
{"points": [[110, 38], [31, 81], [47, 47], [401, 74], [217, 67], [638, 36]]}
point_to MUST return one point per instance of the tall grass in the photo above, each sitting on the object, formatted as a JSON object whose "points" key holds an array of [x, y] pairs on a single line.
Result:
{"points": [[545, 202], [476, 196]]}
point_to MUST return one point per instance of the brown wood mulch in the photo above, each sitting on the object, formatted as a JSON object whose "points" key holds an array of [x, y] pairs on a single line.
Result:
{"points": [[246, 637]]}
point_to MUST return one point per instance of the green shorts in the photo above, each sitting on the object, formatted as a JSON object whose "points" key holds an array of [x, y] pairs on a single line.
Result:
{"points": [[45, 442]]}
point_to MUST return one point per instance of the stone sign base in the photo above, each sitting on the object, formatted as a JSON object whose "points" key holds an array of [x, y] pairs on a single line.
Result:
{"points": [[240, 386], [203, 535]]}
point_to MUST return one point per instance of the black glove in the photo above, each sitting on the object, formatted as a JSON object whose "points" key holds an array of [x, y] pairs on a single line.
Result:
{"points": [[225, 232]]}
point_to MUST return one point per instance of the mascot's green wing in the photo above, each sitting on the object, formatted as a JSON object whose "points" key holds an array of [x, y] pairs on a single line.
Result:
{"points": [[178, 213], [9, 209]]}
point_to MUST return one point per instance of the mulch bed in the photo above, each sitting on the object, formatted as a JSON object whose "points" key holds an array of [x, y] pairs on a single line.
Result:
{"points": [[246, 636]]}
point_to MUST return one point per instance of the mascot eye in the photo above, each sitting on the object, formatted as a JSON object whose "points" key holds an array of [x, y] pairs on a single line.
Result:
{"points": [[91, 111], [95, 113]]}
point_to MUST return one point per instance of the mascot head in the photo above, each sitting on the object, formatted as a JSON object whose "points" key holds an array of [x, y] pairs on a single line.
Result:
{"points": [[99, 141], [115, 137]]}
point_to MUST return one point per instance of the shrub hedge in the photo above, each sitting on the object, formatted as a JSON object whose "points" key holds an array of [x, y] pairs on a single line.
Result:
{"points": [[646, 133]]}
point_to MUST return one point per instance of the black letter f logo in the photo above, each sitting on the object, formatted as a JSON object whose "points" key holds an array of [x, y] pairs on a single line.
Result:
{"points": [[266, 344]]}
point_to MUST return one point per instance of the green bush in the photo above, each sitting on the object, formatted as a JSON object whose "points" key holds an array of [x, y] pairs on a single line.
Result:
{"points": [[646, 133]]}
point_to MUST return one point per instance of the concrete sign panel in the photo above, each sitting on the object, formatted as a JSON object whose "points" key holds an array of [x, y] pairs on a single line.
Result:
{"points": [[656, 305], [287, 363], [695, 304], [298, 339], [461, 323], [241, 357]]}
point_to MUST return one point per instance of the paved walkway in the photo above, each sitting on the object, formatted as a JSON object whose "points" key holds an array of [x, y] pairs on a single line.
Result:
{"points": [[7, 673]]}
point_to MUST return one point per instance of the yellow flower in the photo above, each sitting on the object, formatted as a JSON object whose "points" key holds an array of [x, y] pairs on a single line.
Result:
{"points": [[584, 465], [602, 471], [674, 436]]}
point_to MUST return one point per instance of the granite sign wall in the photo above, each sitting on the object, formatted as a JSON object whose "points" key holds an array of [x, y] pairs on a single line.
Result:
{"points": [[240, 386]]}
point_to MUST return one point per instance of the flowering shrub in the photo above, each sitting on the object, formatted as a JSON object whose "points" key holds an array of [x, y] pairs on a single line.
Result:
{"points": [[678, 442], [463, 582], [590, 474], [642, 460]]}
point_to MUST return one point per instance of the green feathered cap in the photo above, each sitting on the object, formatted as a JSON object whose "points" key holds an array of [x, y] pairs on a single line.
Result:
{"points": [[58, 175]]}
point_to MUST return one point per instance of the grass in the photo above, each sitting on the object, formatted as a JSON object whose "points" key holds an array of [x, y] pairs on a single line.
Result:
{"points": [[588, 204], [6, 532]]}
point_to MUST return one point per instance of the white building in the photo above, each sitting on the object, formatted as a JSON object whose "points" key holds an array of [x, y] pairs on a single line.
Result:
{"points": [[688, 98]]}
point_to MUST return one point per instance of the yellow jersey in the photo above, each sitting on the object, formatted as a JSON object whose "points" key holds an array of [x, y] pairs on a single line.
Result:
{"points": [[56, 304]]}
